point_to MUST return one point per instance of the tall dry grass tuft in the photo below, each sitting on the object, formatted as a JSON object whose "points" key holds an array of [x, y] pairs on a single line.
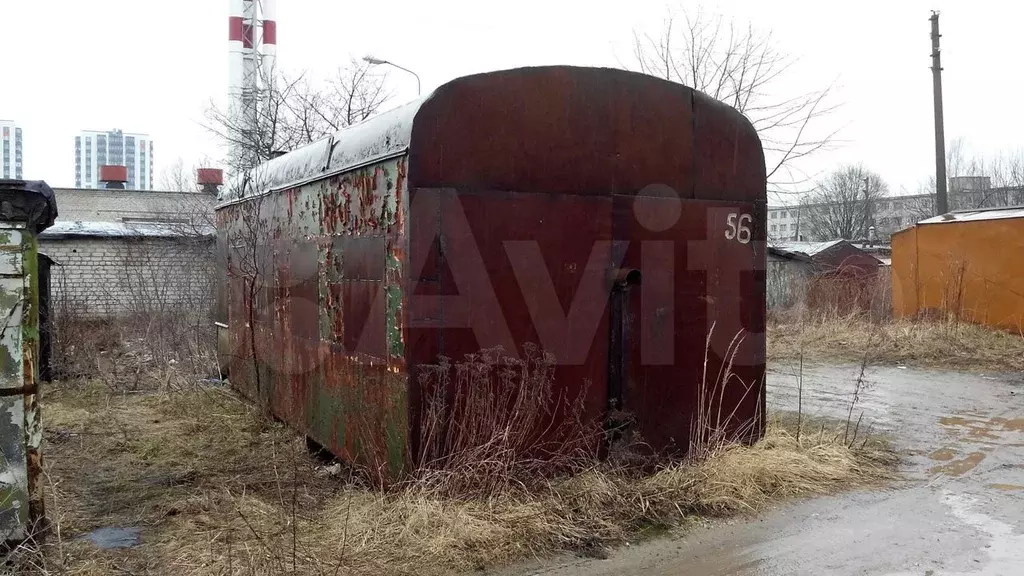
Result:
{"points": [[940, 342], [842, 320], [490, 422], [217, 489], [715, 423]]}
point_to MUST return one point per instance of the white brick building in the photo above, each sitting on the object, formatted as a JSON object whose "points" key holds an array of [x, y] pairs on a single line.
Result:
{"points": [[124, 251]]}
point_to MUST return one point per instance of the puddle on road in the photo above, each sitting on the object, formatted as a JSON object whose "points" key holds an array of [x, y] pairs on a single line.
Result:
{"points": [[112, 537], [1005, 549], [943, 454], [1007, 487], [960, 467]]}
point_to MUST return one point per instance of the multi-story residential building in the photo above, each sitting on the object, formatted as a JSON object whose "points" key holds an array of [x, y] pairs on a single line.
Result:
{"points": [[891, 214], [133, 151], [10, 150], [886, 215]]}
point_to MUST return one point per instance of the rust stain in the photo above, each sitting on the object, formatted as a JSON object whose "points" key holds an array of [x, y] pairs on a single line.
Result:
{"points": [[1007, 487], [943, 454], [960, 467]]}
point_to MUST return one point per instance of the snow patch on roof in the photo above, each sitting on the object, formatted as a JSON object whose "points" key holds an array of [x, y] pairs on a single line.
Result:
{"points": [[375, 139], [78, 228], [976, 215], [809, 248]]}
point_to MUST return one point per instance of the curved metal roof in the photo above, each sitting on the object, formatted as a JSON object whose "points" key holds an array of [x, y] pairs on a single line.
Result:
{"points": [[521, 130], [377, 138]]}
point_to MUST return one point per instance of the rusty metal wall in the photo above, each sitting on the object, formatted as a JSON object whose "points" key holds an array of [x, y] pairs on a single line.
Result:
{"points": [[314, 293], [560, 156]]}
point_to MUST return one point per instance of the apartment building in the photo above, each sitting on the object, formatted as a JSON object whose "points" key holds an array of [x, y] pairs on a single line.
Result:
{"points": [[10, 150], [133, 151], [890, 214]]}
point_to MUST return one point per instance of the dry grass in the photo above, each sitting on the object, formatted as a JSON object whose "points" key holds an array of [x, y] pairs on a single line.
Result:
{"points": [[218, 490], [936, 343]]}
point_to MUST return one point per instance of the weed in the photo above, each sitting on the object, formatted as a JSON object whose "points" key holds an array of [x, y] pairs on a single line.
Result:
{"points": [[218, 489]]}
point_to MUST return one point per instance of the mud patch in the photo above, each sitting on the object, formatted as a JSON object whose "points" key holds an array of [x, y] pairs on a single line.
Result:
{"points": [[979, 429], [943, 454], [1007, 487], [1013, 425], [960, 467]]}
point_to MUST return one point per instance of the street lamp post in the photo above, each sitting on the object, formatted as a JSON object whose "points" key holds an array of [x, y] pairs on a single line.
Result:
{"points": [[377, 61]]}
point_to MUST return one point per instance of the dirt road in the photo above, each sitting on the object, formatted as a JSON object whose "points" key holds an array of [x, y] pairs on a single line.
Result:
{"points": [[958, 510]]}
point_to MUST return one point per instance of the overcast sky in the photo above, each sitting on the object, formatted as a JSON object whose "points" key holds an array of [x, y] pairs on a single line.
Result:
{"points": [[154, 67]]}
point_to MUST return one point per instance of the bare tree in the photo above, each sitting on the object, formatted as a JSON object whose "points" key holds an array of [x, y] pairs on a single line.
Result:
{"points": [[741, 66], [977, 181], [844, 204], [177, 178], [294, 111]]}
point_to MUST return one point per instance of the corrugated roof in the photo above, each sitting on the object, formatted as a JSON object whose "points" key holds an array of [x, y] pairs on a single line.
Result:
{"points": [[79, 229], [809, 248], [977, 215]]}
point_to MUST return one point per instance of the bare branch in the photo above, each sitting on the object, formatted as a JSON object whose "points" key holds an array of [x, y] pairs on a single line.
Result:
{"points": [[845, 203], [293, 111], [739, 66]]}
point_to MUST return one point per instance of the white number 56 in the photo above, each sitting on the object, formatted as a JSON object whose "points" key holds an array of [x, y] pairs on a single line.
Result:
{"points": [[739, 229]]}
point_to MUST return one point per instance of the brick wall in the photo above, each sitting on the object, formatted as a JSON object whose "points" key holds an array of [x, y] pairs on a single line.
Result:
{"points": [[110, 276]]}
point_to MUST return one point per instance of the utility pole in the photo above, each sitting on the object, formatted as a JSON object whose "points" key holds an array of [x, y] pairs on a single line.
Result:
{"points": [[941, 203]]}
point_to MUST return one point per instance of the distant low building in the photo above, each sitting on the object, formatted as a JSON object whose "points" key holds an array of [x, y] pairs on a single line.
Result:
{"points": [[131, 251], [841, 275], [894, 213], [786, 278]]}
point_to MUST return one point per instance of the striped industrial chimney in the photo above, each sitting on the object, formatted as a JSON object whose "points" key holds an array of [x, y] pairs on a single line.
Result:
{"points": [[269, 36], [252, 56]]}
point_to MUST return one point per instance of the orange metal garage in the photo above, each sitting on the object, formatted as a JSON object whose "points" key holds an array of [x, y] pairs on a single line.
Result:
{"points": [[967, 264]]}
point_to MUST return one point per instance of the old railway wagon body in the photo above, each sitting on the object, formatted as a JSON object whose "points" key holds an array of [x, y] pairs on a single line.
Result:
{"points": [[612, 218]]}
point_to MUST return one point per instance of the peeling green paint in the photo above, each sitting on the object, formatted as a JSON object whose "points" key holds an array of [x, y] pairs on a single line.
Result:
{"points": [[396, 347], [9, 365], [353, 404], [14, 499], [396, 444], [326, 416], [9, 298]]}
